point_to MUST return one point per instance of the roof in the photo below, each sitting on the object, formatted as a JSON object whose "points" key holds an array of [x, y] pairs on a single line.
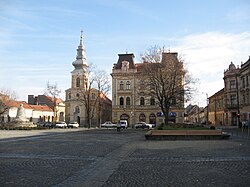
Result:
{"points": [[58, 100], [41, 108], [125, 57], [13, 103]]}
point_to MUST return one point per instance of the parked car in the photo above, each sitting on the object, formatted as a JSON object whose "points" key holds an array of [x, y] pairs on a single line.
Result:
{"points": [[143, 125], [124, 124], [108, 124], [61, 124], [49, 125], [73, 124], [40, 124]]}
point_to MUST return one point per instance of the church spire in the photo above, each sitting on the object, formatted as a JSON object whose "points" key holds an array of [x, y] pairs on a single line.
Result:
{"points": [[81, 55]]}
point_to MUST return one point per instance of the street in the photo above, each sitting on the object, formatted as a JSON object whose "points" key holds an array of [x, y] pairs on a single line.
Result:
{"points": [[104, 157]]}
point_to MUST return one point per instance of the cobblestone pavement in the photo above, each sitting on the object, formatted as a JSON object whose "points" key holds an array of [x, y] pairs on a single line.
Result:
{"points": [[104, 157]]}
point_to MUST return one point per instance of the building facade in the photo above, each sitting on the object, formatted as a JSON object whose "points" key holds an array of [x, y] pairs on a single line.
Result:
{"points": [[83, 102], [34, 113], [57, 105], [231, 105], [129, 99], [217, 108], [244, 90]]}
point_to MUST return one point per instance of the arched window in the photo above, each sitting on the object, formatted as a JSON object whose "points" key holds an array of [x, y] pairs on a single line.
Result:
{"points": [[77, 95], [121, 101], [77, 109], [128, 101], [142, 101], [121, 85], [142, 117], [77, 82], [128, 85], [152, 101], [69, 95]]}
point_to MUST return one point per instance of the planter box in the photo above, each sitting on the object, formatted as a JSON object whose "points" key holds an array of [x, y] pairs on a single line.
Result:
{"points": [[186, 135]]}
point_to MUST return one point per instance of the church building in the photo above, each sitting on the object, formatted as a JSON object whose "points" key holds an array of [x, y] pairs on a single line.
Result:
{"points": [[81, 100]]}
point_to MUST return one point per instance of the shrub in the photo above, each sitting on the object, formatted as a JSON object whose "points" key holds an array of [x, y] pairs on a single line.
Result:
{"points": [[212, 127]]}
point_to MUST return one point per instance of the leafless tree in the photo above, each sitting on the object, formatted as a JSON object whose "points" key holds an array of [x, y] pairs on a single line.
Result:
{"points": [[93, 93], [6, 95], [53, 91], [168, 80], [103, 86]]}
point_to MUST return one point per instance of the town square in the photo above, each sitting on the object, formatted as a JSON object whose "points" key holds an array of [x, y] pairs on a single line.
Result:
{"points": [[124, 93]]}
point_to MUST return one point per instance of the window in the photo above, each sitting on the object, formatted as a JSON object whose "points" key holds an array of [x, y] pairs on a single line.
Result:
{"points": [[77, 95], [77, 110], [142, 117], [128, 101], [121, 101], [77, 82], [93, 95], [233, 100], [121, 85], [243, 82], [152, 101], [69, 95], [142, 101], [128, 85], [141, 83], [232, 84]]}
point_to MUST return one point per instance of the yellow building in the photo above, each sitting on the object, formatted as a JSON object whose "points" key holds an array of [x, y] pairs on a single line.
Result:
{"points": [[129, 99], [216, 108]]}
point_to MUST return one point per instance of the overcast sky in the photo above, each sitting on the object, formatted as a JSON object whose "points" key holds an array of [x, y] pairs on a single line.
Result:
{"points": [[38, 39]]}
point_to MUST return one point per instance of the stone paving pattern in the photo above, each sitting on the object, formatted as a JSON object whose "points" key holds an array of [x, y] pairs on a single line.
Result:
{"points": [[104, 157]]}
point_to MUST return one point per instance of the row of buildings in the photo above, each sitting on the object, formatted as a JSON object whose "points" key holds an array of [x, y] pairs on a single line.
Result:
{"points": [[230, 105], [130, 101]]}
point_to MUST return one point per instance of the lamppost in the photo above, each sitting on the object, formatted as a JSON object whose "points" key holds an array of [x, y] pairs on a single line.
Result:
{"points": [[207, 110], [238, 102]]}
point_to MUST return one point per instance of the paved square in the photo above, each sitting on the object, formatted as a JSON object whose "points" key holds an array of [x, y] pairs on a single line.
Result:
{"points": [[104, 157]]}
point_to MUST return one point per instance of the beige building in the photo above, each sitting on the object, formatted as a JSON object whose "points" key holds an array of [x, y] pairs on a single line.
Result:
{"points": [[34, 113], [55, 104], [231, 105], [129, 99], [244, 90], [216, 108], [80, 96]]}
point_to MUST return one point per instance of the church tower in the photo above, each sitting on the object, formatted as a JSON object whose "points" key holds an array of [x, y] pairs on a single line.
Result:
{"points": [[79, 84], [79, 76]]}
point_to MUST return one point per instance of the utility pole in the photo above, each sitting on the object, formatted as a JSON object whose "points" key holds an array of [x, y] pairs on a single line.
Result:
{"points": [[207, 110]]}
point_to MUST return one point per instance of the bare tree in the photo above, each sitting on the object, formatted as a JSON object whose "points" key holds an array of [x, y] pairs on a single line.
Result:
{"points": [[168, 80], [53, 91], [6, 95], [93, 93], [103, 86]]}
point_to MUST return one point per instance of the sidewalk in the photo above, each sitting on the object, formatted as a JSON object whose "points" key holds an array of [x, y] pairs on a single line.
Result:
{"points": [[4, 134]]}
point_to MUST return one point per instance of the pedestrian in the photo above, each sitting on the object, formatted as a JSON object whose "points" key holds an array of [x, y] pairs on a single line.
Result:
{"points": [[118, 128]]}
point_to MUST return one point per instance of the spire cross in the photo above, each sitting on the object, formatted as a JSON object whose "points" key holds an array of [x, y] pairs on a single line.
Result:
{"points": [[81, 38]]}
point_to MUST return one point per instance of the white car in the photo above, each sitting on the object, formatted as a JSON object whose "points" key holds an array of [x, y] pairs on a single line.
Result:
{"points": [[108, 124], [124, 124], [143, 125], [61, 124], [73, 124]]}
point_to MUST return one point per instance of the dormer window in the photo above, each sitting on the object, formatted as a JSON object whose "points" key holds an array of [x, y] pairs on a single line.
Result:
{"points": [[125, 66]]}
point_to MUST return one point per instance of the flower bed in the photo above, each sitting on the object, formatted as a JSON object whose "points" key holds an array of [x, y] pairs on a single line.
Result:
{"points": [[186, 135]]}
